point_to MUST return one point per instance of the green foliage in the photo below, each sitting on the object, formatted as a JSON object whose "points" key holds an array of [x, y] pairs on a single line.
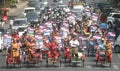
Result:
{"points": [[115, 1]]}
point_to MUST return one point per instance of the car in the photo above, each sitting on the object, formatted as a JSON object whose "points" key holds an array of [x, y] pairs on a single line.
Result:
{"points": [[58, 1], [1, 40], [45, 2], [3, 31], [64, 7], [32, 17], [39, 7], [42, 6], [55, 4], [20, 22], [109, 7], [54, 0], [102, 4], [111, 18], [31, 3], [117, 45], [21, 30], [107, 10], [28, 9]]}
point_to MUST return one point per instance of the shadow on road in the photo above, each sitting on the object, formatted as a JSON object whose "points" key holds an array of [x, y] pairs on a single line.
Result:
{"points": [[99, 65]]}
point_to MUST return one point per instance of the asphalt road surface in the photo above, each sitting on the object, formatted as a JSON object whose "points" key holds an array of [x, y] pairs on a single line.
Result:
{"points": [[90, 64]]}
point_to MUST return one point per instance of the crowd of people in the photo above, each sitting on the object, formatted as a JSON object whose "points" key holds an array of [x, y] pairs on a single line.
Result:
{"points": [[60, 30]]}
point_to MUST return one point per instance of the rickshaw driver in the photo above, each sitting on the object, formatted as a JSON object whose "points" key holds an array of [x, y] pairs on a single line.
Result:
{"points": [[74, 43], [31, 48], [108, 47], [15, 50]]}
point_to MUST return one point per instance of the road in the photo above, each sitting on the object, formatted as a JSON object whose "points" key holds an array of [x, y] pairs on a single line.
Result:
{"points": [[90, 64]]}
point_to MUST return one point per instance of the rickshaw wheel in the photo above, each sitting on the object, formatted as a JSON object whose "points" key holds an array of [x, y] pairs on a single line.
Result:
{"points": [[60, 62], [14, 64], [83, 62], [41, 62], [110, 25], [69, 62], [24, 60], [116, 48], [27, 63], [6, 64], [96, 63], [110, 64], [47, 62], [65, 59], [20, 64], [88, 52]]}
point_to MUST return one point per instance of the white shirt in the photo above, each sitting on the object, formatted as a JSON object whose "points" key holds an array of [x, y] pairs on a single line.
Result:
{"points": [[11, 22], [74, 43]]}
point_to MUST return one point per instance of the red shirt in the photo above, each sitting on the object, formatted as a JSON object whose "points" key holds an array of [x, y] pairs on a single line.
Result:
{"points": [[16, 37]]}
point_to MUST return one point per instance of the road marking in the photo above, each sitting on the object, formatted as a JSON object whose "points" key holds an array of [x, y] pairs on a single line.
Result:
{"points": [[116, 67], [88, 67]]}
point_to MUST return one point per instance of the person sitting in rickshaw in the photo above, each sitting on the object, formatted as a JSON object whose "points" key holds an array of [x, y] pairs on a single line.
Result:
{"points": [[46, 43], [16, 35], [66, 43], [37, 30], [24, 40], [15, 50], [101, 49], [74, 43], [86, 30]]}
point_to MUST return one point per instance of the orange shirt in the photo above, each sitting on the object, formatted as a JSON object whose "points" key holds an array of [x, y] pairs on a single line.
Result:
{"points": [[15, 52], [15, 45]]}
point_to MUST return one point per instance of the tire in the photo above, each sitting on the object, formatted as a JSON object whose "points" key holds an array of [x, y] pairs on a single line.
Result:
{"points": [[110, 64], [6, 64], [27, 63], [88, 51], [41, 63], [47, 62], [14, 64], [60, 62], [83, 62], [65, 59], [110, 25], [116, 48], [20, 64], [69, 62], [96, 63], [24, 60]]}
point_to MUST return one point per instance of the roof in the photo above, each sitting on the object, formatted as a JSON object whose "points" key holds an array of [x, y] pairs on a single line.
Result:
{"points": [[30, 8], [21, 19]]}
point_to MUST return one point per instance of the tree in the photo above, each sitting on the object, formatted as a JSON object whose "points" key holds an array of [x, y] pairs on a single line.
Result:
{"points": [[115, 1]]}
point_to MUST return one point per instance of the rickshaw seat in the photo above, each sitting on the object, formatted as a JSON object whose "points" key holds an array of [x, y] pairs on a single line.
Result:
{"points": [[79, 55], [102, 53]]}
